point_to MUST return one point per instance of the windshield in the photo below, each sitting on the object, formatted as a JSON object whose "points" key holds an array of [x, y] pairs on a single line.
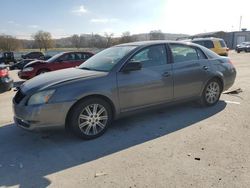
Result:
{"points": [[106, 59], [52, 59]]}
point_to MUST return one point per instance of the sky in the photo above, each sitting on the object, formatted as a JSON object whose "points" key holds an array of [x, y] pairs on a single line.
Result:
{"points": [[62, 18]]}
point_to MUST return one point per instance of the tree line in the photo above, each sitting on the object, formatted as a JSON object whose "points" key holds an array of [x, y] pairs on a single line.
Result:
{"points": [[43, 40]]}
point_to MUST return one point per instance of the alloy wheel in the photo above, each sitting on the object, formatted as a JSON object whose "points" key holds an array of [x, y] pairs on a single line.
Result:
{"points": [[93, 119], [212, 93]]}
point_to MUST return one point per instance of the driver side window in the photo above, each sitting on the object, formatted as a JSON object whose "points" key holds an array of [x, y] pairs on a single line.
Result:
{"points": [[66, 57], [151, 56]]}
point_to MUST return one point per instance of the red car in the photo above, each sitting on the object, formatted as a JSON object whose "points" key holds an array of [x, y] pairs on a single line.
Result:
{"points": [[60, 61], [6, 83]]}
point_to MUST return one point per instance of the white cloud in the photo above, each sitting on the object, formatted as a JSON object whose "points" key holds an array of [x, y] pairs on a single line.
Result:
{"points": [[33, 26], [103, 20], [11, 22], [80, 10]]}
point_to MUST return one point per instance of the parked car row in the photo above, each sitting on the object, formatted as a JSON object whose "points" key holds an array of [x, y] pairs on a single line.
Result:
{"points": [[59, 61], [37, 65], [117, 82]]}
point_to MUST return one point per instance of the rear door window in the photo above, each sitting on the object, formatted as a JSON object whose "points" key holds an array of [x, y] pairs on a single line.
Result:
{"points": [[183, 53]]}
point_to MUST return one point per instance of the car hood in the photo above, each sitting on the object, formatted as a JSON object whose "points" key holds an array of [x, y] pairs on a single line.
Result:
{"points": [[33, 63], [47, 80]]}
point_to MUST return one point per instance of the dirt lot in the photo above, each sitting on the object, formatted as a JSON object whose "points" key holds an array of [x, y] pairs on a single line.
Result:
{"points": [[183, 146]]}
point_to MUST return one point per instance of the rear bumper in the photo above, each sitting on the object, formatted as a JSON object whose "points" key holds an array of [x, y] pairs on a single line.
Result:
{"points": [[6, 83], [37, 117], [230, 79]]}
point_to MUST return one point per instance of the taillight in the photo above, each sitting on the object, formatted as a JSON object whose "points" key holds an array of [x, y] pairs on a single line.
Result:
{"points": [[3, 72]]}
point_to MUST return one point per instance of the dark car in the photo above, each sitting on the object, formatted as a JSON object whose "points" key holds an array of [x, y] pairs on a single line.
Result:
{"points": [[60, 61], [7, 58], [33, 55], [244, 46], [6, 83], [119, 81], [19, 65]]}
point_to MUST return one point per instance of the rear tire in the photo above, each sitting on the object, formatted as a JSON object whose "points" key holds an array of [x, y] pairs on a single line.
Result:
{"points": [[90, 118], [211, 93]]}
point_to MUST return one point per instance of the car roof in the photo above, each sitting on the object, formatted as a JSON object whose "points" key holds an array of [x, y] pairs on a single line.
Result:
{"points": [[76, 52], [152, 42], [209, 38]]}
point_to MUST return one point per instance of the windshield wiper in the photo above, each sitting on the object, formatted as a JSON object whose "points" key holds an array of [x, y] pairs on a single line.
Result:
{"points": [[85, 68]]}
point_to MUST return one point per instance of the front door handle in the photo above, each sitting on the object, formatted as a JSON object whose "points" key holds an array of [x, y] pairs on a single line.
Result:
{"points": [[166, 74]]}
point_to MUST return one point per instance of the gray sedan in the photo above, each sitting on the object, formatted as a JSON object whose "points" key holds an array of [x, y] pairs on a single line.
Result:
{"points": [[120, 80]]}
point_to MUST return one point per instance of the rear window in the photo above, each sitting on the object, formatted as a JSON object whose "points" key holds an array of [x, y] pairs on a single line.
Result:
{"points": [[222, 43]]}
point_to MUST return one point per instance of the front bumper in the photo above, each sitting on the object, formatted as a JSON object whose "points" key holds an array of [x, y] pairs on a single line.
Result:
{"points": [[6, 83], [37, 117], [25, 75]]}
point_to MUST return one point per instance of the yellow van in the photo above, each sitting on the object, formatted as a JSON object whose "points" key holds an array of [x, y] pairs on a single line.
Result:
{"points": [[215, 44]]}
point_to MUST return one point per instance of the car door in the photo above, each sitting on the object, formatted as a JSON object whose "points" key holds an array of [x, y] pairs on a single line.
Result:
{"points": [[63, 62], [79, 59], [152, 84], [190, 70]]}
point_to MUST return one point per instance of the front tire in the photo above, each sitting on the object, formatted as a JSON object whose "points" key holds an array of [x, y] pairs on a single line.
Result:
{"points": [[211, 93], [90, 118]]}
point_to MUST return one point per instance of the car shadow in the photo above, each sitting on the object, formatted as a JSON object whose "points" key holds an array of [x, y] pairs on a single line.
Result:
{"points": [[26, 158]]}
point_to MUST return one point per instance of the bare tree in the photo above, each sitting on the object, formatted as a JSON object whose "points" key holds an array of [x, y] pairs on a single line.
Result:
{"points": [[43, 39], [108, 39], [76, 41], [125, 38], [9, 43], [156, 35]]}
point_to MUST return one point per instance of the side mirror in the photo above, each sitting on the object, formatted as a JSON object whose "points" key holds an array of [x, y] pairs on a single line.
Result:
{"points": [[132, 66], [59, 60]]}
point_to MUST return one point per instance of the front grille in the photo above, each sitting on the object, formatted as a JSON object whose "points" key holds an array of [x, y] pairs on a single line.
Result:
{"points": [[19, 96]]}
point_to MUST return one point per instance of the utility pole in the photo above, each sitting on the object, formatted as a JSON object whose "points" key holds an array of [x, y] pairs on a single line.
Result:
{"points": [[240, 23]]}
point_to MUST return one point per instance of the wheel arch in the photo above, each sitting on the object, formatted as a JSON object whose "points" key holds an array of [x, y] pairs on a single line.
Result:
{"points": [[103, 97], [217, 77]]}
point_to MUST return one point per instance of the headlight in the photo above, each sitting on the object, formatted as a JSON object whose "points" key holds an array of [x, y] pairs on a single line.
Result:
{"points": [[28, 69], [41, 97]]}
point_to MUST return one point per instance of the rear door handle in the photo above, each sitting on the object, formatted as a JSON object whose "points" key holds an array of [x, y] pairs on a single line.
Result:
{"points": [[166, 74], [205, 67]]}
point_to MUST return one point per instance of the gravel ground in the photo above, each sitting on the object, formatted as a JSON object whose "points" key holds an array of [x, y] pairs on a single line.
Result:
{"points": [[182, 146]]}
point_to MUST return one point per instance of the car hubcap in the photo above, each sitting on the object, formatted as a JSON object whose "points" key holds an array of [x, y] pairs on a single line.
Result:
{"points": [[93, 119], [212, 92]]}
